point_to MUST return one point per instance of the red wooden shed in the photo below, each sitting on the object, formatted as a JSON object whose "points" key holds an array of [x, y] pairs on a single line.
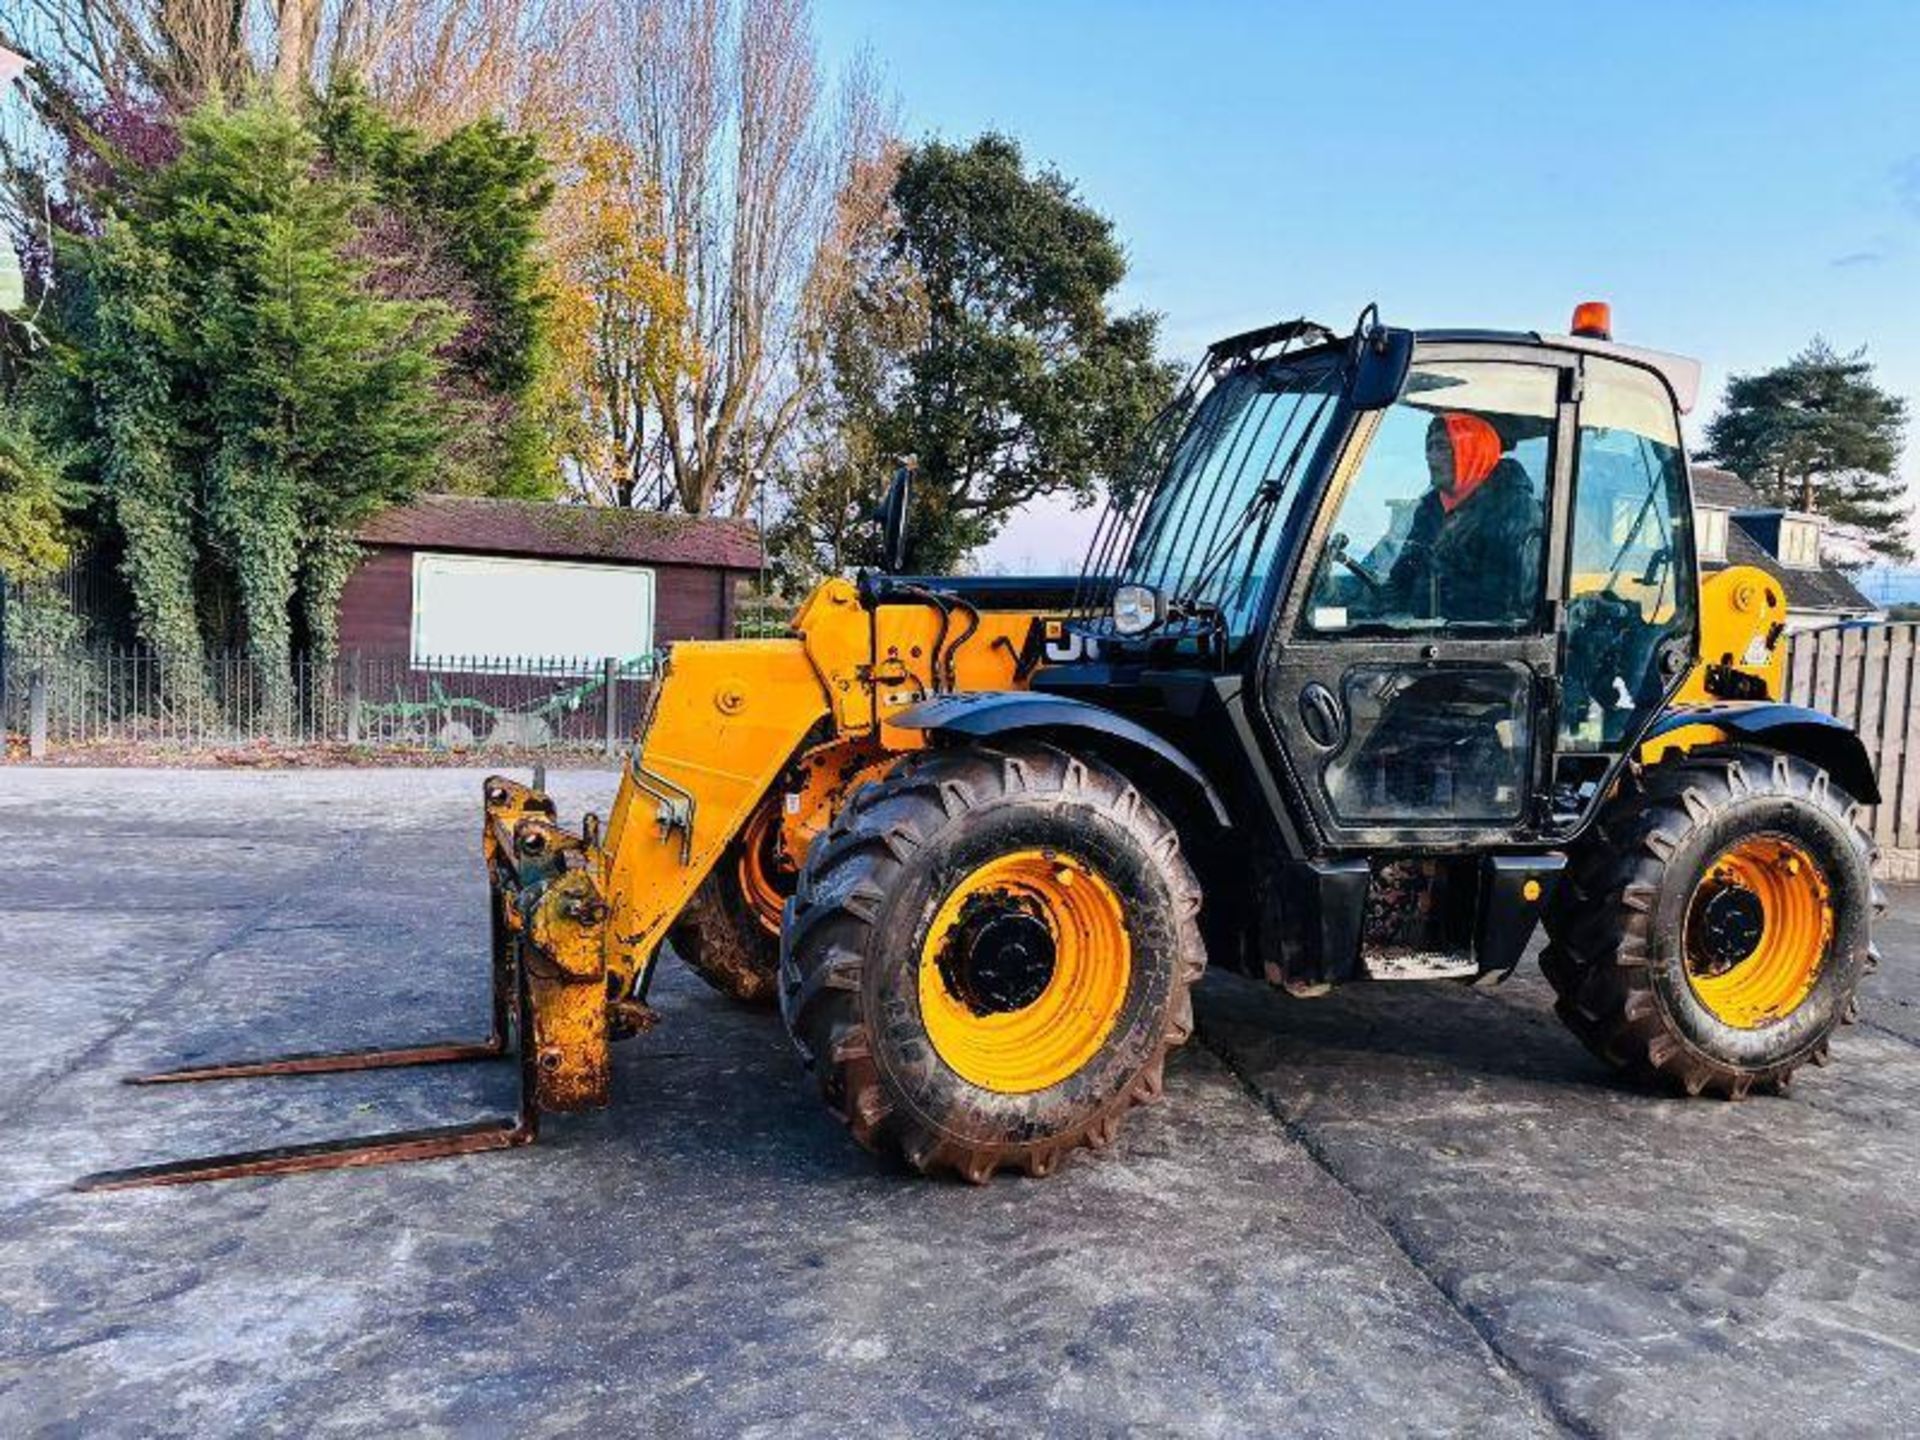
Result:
{"points": [[453, 576]]}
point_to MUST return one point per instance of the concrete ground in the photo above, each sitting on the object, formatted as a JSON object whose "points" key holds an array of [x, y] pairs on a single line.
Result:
{"points": [[1403, 1209]]}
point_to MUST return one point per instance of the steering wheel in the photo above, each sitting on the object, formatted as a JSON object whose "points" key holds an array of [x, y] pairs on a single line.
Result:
{"points": [[1372, 581], [1606, 637]]}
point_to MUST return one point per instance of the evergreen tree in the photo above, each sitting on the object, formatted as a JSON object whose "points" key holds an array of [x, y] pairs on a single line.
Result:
{"points": [[35, 496], [122, 327], [458, 221], [1817, 434], [1018, 382], [252, 400]]}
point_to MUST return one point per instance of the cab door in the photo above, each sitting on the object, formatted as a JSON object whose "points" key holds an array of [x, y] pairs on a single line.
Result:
{"points": [[1411, 674], [1629, 625]]}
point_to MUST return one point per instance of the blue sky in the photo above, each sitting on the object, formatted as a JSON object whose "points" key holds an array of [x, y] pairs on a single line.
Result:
{"points": [[1734, 178]]}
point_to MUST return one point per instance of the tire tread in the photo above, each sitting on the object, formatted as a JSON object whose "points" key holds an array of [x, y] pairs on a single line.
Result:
{"points": [[1600, 928], [845, 881]]}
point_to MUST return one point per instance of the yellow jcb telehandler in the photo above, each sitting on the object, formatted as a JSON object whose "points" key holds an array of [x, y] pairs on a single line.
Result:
{"points": [[1394, 646]]}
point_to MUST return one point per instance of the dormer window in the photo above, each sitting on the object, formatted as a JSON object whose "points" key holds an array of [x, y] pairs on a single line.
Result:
{"points": [[1800, 544], [1710, 533]]}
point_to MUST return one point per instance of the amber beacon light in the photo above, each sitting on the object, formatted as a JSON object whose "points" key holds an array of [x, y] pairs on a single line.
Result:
{"points": [[1593, 320]]}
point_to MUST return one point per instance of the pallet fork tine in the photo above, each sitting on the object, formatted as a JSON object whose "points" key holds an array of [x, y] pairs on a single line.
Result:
{"points": [[435, 1143], [510, 1029], [329, 1062]]}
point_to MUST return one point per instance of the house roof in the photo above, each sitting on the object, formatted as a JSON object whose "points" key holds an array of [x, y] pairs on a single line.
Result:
{"points": [[1722, 489], [573, 532], [1825, 589]]}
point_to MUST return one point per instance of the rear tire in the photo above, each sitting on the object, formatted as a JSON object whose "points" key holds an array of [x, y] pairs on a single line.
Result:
{"points": [[1649, 972], [969, 1072]]}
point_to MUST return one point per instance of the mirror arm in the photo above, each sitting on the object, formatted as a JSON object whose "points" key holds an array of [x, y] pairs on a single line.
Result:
{"points": [[895, 510]]}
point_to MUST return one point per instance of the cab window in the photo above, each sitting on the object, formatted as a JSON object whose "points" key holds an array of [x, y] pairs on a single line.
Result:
{"points": [[1630, 582], [1443, 525]]}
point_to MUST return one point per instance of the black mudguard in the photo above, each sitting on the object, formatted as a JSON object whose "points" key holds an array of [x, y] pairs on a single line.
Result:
{"points": [[1015, 712], [1792, 729]]}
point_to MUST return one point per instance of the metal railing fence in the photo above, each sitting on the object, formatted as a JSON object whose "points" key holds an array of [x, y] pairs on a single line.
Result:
{"points": [[1868, 676], [96, 697]]}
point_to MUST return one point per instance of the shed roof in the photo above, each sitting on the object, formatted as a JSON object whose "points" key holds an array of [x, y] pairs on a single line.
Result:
{"points": [[573, 532]]}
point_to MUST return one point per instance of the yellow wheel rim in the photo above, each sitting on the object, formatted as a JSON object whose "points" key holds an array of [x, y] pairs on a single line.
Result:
{"points": [[1757, 931], [1024, 971], [764, 894]]}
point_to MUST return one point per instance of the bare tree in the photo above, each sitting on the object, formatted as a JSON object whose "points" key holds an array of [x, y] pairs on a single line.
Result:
{"points": [[296, 34], [437, 62], [442, 63], [175, 51], [874, 313], [617, 317], [752, 170]]}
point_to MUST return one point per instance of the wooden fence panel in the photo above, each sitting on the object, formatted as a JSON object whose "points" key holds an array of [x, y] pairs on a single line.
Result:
{"points": [[1826, 665], [1900, 790], [1850, 679], [1896, 698], [1870, 678], [1799, 674], [1869, 692]]}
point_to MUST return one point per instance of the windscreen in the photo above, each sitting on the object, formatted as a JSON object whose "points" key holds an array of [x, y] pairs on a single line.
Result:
{"points": [[1225, 463], [1443, 524]]}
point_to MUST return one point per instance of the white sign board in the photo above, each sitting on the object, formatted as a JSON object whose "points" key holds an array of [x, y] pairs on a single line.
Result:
{"points": [[493, 608], [13, 282]]}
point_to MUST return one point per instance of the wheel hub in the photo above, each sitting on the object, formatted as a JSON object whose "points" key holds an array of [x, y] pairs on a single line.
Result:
{"points": [[765, 880], [1000, 959], [1732, 921], [1024, 970]]}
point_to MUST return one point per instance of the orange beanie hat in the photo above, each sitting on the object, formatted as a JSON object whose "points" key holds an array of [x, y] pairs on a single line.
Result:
{"points": [[1476, 450]]}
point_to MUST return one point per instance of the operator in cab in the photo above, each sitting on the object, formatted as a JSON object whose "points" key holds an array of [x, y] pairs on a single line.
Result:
{"points": [[1471, 552]]}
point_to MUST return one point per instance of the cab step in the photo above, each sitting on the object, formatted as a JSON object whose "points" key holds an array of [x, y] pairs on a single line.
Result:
{"points": [[1397, 963]]}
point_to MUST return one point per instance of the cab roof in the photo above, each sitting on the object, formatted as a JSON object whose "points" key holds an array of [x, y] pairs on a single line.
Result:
{"points": [[1681, 374]]}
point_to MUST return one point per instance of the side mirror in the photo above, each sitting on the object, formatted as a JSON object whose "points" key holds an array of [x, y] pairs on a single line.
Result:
{"points": [[1378, 358], [893, 519]]}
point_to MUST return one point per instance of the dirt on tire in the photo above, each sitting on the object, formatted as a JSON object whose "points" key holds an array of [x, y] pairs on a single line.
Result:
{"points": [[720, 938], [1615, 951], [853, 936]]}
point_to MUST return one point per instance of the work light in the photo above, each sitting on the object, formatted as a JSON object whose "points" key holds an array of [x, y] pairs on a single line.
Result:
{"points": [[1136, 609]]}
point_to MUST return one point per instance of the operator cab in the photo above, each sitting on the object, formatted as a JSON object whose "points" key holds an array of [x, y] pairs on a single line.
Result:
{"points": [[1452, 569]]}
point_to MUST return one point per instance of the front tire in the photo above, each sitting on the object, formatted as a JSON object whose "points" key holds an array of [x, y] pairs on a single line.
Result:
{"points": [[1716, 922], [988, 956]]}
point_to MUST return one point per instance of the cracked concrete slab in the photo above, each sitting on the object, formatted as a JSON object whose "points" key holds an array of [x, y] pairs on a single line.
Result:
{"points": [[1415, 1210], [709, 1256], [1656, 1265]]}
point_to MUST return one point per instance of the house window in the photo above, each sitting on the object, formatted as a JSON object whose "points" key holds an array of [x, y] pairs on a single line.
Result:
{"points": [[484, 610], [1800, 544], [1710, 533]]}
